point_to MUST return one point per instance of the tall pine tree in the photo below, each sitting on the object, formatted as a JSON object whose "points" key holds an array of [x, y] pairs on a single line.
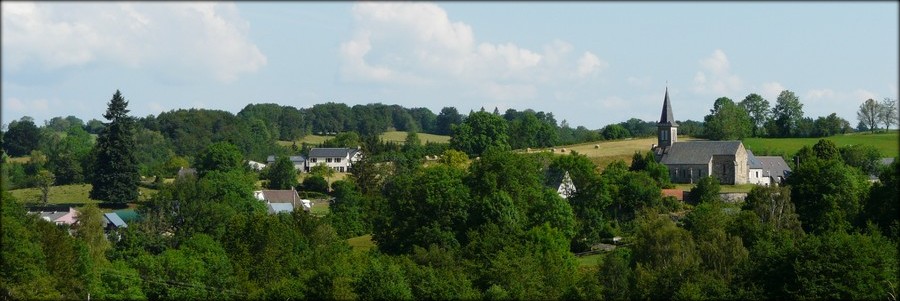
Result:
{"points": [[115, 167]]}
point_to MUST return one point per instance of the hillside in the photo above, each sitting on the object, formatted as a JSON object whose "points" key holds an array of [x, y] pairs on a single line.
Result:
{"points": [[395, 136], [886, 143]]}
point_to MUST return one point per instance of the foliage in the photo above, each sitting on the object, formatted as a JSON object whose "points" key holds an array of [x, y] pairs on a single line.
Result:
{"points": [[862, 156], [828, 194], [21, 137], [220, 156], [315, 183], [707, 190], [115, 170], [446, 120], [868, 114], [479, 132], [774, 207], [786, 115], [349, 213], [727, 121], [758, 109], [43, 180], [281, 174], [615, 131], [888, 113], [881, 206]]}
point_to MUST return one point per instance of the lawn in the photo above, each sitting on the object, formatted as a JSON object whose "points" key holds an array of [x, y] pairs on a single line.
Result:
{"points": [[361, 243], [886, 143], [319, 208], [65, 194], [590, 260], [395, 136]]}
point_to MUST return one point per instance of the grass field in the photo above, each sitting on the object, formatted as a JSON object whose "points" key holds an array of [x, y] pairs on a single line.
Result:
{"points": [[590, 260], [886, 143], [65, 194], [605, 152], [23, 159], [361, 243], [395, 136]]}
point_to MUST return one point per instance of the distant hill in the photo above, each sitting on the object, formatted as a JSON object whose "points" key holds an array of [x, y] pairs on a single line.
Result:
{"points": [[396, 136]]}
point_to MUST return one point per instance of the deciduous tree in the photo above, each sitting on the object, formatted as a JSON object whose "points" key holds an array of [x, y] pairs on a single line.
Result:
{"points": [[868, 114], [758, 108], [787, 114]]}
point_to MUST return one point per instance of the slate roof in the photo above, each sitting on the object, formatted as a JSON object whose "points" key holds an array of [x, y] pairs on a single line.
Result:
{"points": [[698, 152], [330, 152], [753, 161], [887, 161], [666, 118], [295, 159], [115, 220], [52, 215], [774, 166], [280, 196], [275, 208]]}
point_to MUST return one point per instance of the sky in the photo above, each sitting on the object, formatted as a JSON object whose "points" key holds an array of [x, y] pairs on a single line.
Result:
{"points": [[588, 63]]}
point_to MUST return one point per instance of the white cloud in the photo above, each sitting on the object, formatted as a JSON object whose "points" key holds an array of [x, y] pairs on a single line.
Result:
{"points": [[862, 95], [589, 64], [771, 90], [820, 94], [417, 43], [715, 76], [19, 105], [167, 38]]}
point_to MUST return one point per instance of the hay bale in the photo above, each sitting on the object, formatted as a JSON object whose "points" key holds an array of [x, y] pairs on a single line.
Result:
{"points": [[528, 150], [552, 150], [562, 150], [596, 146]]}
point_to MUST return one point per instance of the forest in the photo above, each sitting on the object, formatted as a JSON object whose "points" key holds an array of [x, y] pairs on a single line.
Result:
{"points": [[481, 222]]}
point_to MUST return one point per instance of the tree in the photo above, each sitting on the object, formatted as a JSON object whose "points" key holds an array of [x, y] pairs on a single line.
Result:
{"points": [[882, 207], [220, 156], [727, 121], [758, 108], [787, 114], [480, 131], [89, 229], [115, 170], [315, 183], [826, 150], [44, 180], [868, 114], [21, 137], [831, 125], [615, 131], [281, 174], [446, 119], [773, 206], [707, 190], [828, 194], [888, 112], [866, 157]]}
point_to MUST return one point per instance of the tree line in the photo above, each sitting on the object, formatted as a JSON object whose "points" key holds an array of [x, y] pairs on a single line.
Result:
{"points": [[492, 227]]}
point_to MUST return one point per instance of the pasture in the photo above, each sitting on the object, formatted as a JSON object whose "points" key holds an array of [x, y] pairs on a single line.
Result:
{"points": [[886, 143], [394, 136], [65, 194]]}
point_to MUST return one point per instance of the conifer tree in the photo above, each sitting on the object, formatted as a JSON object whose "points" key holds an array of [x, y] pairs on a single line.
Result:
{"points": [[115, 167]]}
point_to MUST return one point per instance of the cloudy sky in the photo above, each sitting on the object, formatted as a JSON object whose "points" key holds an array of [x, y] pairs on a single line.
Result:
{"points": [[591, 64]]}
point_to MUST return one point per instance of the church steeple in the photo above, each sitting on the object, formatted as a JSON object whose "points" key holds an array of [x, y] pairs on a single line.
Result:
{"points": [[667, 132]]}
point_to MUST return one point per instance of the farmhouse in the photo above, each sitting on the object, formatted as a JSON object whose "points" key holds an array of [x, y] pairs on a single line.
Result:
{"points": [[727, 161], [338, 159], [282, 200]]}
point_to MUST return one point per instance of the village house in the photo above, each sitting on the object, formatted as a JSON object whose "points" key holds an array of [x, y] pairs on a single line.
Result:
{"points": [[282, 200], [257, 166], [338, 159], [67, 217], [563, 185]]}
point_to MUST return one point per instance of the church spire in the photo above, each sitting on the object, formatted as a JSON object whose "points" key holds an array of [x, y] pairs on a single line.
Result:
{"points": [[666, 116]]}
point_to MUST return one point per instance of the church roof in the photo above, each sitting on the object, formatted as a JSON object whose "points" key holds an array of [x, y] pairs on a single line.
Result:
{"points": [[774, 166], [753, 161], [666, 117], [698, 152]]}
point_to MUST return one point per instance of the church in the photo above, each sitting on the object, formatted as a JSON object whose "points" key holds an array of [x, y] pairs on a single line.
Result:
{"points": [[689, 161]]}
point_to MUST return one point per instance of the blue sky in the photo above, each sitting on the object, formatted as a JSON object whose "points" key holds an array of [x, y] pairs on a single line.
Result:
{"points": [[589, 63]]}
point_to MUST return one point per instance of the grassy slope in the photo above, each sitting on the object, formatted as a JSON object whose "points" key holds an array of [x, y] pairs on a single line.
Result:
{"points": [[886, 143], [64, 194], [361, 243], [395, 136], [608, 151]]}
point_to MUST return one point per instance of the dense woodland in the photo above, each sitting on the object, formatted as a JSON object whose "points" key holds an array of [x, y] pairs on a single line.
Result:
{"points": [[482, 222]]}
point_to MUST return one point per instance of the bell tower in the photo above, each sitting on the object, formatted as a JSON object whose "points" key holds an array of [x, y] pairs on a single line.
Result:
{"points": [[667, 129]]}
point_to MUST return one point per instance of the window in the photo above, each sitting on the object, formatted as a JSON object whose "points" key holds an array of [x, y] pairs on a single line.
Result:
{"points": [[327, 160], [341, 169], [337, 160], [313, 160]]}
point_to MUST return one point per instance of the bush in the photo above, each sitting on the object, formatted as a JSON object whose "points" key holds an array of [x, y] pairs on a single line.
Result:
{"points": [[315, 183]]}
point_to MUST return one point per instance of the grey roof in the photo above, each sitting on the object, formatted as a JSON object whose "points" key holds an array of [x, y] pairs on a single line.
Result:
{"points": [[753, 161], [698, 152], [52, 215], [114, 219], [330, 152], [280, 207], [280, 196], [294, 159], [774, 166], [666, 117]]}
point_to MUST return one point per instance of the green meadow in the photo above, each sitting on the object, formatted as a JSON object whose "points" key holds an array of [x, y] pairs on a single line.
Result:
{"points": [[886, 143]]}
